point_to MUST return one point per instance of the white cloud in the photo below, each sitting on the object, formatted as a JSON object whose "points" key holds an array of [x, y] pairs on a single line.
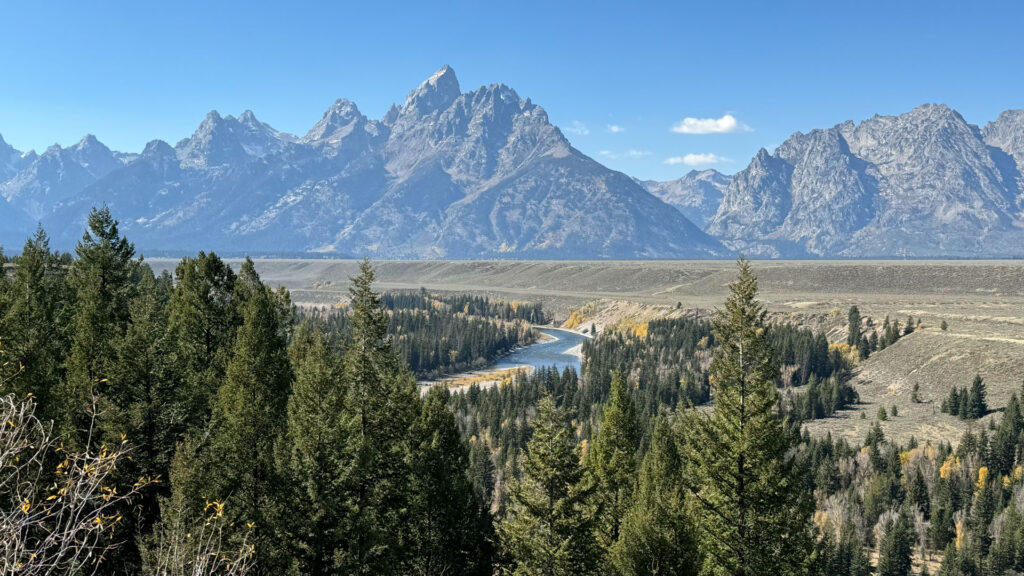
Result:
{"points": [[578, 128], [696, 159], [615, 128], [628, 154], [723, 125]]}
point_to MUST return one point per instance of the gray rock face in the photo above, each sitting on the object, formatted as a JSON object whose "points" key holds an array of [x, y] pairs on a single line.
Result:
{"points": [[697, 194], [921, 184], [445, 175], [10, 160], [1007, 134]]}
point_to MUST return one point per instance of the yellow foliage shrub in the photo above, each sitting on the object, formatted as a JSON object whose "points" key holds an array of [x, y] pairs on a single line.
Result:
{"points": [[574, 321], [950, 466]]}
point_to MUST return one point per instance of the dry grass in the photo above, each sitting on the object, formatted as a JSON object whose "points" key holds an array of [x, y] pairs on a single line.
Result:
{"points": [[935, 361]]}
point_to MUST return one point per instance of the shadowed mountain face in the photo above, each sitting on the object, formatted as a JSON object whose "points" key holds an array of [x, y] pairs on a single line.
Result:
{"points": [[445, 175], [922, 184]]}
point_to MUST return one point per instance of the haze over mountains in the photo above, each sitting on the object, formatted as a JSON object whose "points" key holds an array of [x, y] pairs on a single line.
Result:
{"points": [[484, 174]]}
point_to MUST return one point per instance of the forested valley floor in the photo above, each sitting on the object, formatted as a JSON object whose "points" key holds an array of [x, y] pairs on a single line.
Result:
{"points": [[198, 422]]}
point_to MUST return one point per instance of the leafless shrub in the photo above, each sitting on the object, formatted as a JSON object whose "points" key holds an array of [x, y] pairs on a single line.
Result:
{"points": [[198, 548], [57, 508]]}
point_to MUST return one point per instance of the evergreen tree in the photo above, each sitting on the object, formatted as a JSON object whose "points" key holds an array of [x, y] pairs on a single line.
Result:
{"points": [[656, 537], [141, 391], [449, 525], [101, 280], [612, 460], [481, 470], [310, 456], [918, 493], [895, 548], [248, 416], [380, 404], [1004, 442], [976, 399], [203, 317], [33, 321], [853, 326], [549, 527], [752, 514]]}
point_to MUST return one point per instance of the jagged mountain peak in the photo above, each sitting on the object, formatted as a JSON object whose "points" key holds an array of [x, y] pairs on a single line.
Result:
{"points": [[391, 115], [157, 149], [696, 194], [248, 118], [222, 140], [447, 174], [435, 93], [11, 160], [87, 141], [337, 122]]}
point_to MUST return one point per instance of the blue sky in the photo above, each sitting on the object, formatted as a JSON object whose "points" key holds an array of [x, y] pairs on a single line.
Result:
{"points": [[617, 77]]}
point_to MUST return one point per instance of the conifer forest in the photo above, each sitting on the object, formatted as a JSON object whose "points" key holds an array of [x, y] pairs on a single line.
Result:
{"points": [[197, 422]]}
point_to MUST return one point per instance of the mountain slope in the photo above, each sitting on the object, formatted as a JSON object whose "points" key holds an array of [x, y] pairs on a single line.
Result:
{"points": [[697, 194], [921, 184], [446, 175]]}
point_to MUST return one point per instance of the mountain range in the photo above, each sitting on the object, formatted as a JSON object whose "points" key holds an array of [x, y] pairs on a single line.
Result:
{"points": [[447, 174], [921, 184], [484, 174]]}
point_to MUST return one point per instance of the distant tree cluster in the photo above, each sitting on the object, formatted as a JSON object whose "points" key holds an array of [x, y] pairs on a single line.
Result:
{"points": [[865, 345], [967, 404], [439, 335]]}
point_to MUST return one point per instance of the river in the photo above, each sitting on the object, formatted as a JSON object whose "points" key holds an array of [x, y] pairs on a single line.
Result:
{"points": [[558, 347], [551, 351]]}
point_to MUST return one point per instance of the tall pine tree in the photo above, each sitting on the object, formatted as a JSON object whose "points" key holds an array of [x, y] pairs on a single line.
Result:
{"points": [[612, 460], [380, 404], [450, 527], [203, 318], [311, 456], [656, 537], [35, 318], [549, 526], [101, 280], [752, 515], [249, 414]]}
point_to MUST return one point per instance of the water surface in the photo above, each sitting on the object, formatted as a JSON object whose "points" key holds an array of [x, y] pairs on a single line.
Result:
{"points": [[548, 353]]}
